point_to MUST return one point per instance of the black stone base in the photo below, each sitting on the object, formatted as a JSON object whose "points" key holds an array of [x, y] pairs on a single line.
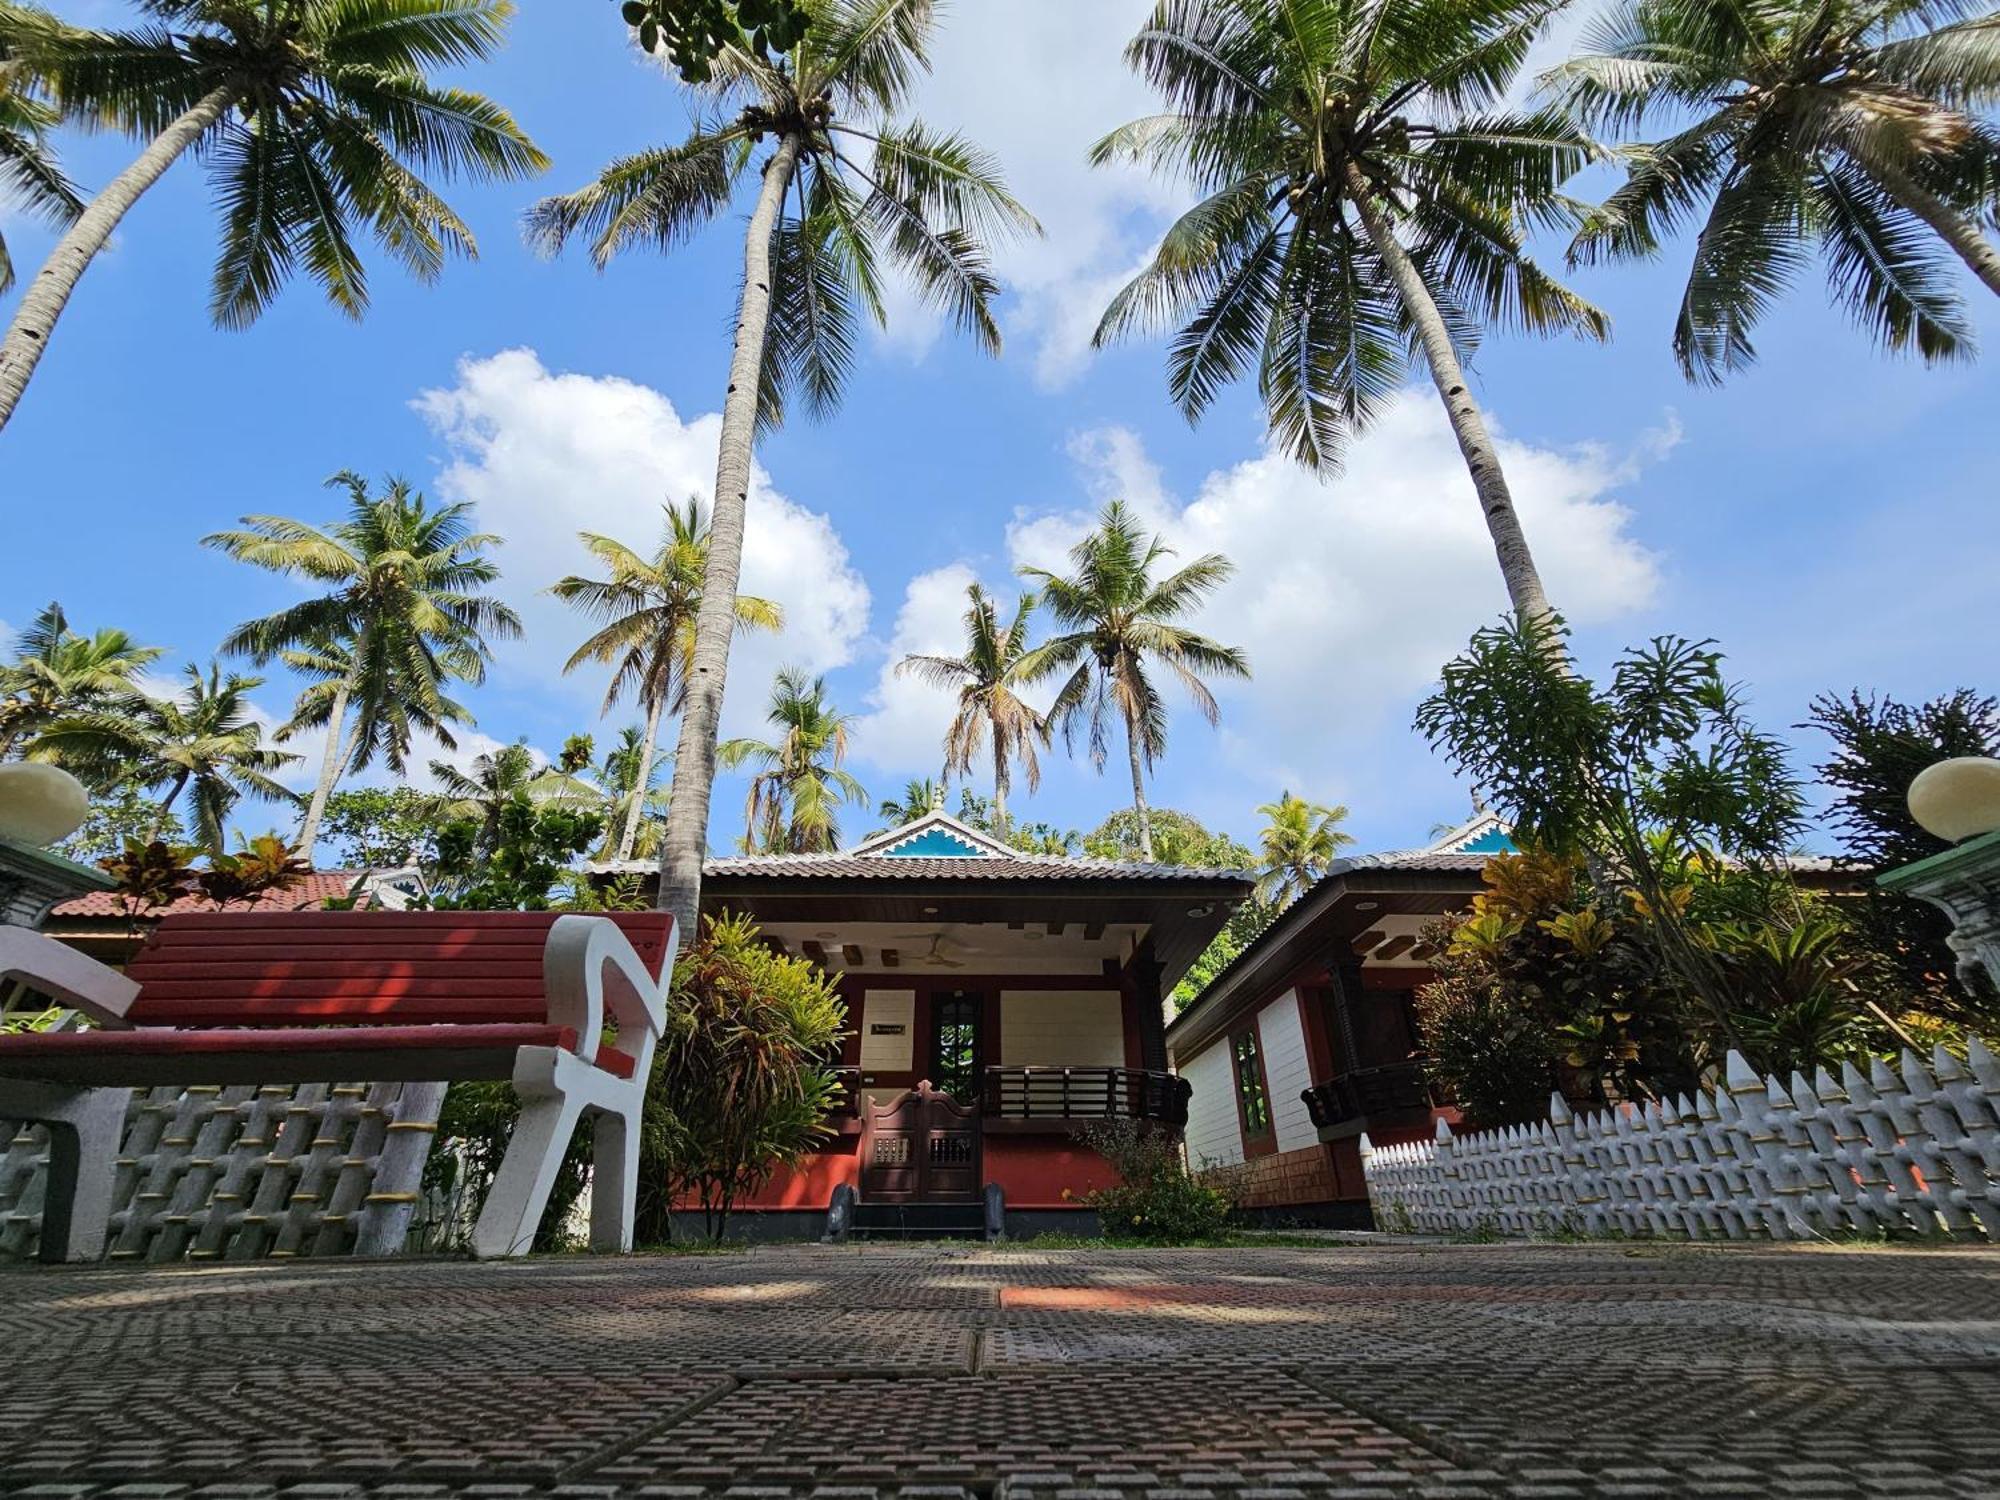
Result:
{"points": [[755, 1226], [1026, 1223]]}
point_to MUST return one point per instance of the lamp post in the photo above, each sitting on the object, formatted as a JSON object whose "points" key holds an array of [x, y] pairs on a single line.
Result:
{"points": [[40, 805], [1959, 800]]}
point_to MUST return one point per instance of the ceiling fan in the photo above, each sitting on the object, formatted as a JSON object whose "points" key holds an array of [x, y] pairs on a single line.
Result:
{"points": [[936, 957]]}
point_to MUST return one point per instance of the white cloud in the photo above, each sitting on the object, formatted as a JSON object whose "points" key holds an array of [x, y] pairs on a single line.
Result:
{"points": [[544, 456], [904, 727], [1348, 596], [1099, 221]]}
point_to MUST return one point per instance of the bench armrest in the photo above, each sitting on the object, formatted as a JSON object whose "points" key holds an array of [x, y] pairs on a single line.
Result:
{"points": [[60, 972], [589, 967]]}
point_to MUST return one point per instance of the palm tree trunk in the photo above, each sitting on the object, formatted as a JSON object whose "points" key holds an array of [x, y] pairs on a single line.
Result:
{"points": [[629, 839], [1139, 792], [1517, 563], [50, 291], [1957, 231], [999, 786], [331, 762], [686, 838], [167, 803]]}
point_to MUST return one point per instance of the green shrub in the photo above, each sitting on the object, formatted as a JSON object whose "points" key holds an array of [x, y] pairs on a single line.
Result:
{"points": [[1157, 1198], [741, 1082]]}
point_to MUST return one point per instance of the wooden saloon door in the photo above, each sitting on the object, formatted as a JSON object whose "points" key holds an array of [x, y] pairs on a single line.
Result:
{"points": [[924, 1147], [921, 1148]]}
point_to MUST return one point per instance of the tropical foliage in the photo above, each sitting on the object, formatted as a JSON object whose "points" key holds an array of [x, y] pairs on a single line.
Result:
{"points": [[647, 606], [1850, 126], [57, 673], [847, 190], [403, 617], [30, 175], [1879, 746], [1555, 982], [692, 32], [741, 1084], [204, 741], [1366, 187], [795, 796], [989, 707], [1118, 621], [1300, 840], [316, 118], [1649, 777]]}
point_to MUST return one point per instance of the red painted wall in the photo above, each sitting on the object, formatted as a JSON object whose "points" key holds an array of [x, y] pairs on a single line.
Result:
{"points": [[1044, 1171], [811, 1183]]}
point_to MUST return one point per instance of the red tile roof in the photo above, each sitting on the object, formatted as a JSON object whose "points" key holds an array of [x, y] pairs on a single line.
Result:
{"points": [[307, 895]]}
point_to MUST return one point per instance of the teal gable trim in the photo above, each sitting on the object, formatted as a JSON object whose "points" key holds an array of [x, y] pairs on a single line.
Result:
{"points": [[935, 843], [1493, 841]]}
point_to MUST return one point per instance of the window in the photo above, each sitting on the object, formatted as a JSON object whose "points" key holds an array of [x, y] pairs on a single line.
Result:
{"points": [[955, 1045], [1253, 1101]]}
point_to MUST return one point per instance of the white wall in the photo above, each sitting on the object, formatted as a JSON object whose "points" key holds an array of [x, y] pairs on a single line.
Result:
{"points": [[1287, 1070], [888, 1054], [1062, 1028], [1214, 1133]]}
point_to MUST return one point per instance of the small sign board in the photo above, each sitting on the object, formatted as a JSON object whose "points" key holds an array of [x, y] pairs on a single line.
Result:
{"points": [[886, 1028]]}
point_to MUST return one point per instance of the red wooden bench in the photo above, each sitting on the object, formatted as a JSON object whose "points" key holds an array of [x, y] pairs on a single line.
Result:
{"points": [[325, 997]]}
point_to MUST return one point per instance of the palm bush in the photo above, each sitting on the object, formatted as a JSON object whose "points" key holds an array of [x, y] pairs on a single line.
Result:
{"points": [[316, 118], [1118, 621], [989, 709], [794, 802], [846, 189], [404, 615], [648, 606], [1366, 190], [1850, 126]]}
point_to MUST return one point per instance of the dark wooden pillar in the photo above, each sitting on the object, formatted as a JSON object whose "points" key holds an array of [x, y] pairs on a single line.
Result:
{"points": [[1143, 974], [1343, 995]]}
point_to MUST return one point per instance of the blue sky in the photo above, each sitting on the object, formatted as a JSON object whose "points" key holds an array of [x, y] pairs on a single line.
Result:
{"points": [[1830, 517]]}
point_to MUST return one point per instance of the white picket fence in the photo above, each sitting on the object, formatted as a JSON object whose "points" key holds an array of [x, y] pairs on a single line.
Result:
{"points": [[1869, 1153]]}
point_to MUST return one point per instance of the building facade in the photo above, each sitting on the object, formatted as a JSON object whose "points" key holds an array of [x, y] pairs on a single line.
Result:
{"points": [[996, 1003], [1309, 1038]]}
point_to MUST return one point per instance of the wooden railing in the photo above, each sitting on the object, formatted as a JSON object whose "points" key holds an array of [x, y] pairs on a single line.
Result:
{"points": [[846, 1102], [1085, 1094], [1394, 1088]]}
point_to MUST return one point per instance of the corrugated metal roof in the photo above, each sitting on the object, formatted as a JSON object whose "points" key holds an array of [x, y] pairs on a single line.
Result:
{"points": [[313, 891]]}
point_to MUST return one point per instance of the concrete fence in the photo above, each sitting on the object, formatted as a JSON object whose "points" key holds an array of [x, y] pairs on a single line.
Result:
{"points": [[1915, 1149]]}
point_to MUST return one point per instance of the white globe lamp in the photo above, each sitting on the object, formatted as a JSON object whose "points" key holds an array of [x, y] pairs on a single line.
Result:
{"points": [[1958, 799], [40, 805]]}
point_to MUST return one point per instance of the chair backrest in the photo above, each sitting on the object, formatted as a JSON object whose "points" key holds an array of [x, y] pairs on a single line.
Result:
{"points": [[319, 968]]}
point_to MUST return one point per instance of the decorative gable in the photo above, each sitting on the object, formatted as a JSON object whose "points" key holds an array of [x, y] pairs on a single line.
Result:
{"points": [[1484, 834], [936, 835]]}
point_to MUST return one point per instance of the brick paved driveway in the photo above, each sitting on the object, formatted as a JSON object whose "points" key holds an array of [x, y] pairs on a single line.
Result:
{"points": [[959, 1372]]}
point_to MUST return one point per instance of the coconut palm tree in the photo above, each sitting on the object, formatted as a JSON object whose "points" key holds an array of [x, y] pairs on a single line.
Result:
{"points": [[57, 673], [403, 617], [315, 116], [1365, 194], [794, 800], [30, 176], [1849, 125], [844, 186], [1300, 840], [919, 799], [631, 799], [1120, 619], [648, 606], [203, 741], [986, 677]]}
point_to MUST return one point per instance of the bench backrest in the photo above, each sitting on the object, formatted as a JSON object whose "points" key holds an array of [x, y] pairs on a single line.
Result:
{"points": [[318, 968]]}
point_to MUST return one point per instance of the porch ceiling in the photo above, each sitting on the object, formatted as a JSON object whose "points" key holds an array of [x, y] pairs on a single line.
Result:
{"points": [[936, 949]]}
